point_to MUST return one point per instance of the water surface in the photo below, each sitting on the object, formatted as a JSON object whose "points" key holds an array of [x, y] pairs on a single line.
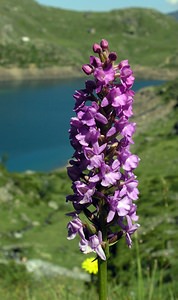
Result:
{"points": [[34, 122]]}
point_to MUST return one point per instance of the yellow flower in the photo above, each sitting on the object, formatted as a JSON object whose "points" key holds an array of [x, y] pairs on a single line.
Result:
{"points": [[90, 265]]}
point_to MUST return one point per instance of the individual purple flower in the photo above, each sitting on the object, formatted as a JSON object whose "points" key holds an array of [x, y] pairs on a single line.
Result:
{"points": [[132, 213], [75, 226], [129, 229], [130, 189], [86, 191], [104, 187], [108, 175], [76, 166], [94, 155], [90, 114], [126, 74], [118, 97], [131, 162], [103, 76], [93, 245], [124, 127], [87, 135], [118, 204], [80, 97]]}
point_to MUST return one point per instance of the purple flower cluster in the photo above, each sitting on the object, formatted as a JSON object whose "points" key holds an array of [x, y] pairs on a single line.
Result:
{"points": [[101, 169]]}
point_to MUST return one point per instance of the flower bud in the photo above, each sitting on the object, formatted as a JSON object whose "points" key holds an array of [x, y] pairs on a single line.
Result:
{"points": [[95, 61], [87, 69], [112, 56], [96, 48], [104, 44], [90, 85]]}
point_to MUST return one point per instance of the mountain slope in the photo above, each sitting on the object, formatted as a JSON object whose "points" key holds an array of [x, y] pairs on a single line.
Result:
{"points": [[174, 14], [61, 37]]}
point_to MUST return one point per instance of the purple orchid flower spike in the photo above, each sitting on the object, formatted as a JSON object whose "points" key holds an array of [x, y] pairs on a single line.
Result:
{"points": [[102, 167]]}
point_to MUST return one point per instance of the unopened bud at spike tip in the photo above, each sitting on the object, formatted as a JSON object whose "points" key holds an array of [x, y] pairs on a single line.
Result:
{"points": [[112, 56], [96, 48], [104, 44]]}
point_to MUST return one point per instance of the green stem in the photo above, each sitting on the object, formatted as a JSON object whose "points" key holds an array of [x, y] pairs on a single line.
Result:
{"points": [[139, 271], [102, 264], [102, 278]]}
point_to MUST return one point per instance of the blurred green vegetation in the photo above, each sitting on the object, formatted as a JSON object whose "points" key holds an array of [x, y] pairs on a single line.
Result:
{"points": [[54, 35]]}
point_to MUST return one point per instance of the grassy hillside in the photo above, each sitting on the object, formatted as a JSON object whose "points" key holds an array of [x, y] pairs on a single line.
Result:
{"points": [[61, 37], [32, 218]]}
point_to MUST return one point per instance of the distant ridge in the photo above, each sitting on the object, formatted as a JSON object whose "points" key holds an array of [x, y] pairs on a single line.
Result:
{"points": [[174, 14]]}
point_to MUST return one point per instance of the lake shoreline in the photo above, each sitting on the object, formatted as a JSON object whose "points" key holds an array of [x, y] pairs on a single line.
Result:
{"points": [[33, 73]]}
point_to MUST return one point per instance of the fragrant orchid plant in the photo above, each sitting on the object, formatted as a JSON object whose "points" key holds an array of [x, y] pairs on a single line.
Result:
{"points": [[102, 167]]}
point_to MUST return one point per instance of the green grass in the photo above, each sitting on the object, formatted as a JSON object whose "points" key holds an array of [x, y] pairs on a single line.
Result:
{"points": [[35, 205], [143, 35]]}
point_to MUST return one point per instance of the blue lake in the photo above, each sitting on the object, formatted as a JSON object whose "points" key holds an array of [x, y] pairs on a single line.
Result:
{"points": [[34, 122]]}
